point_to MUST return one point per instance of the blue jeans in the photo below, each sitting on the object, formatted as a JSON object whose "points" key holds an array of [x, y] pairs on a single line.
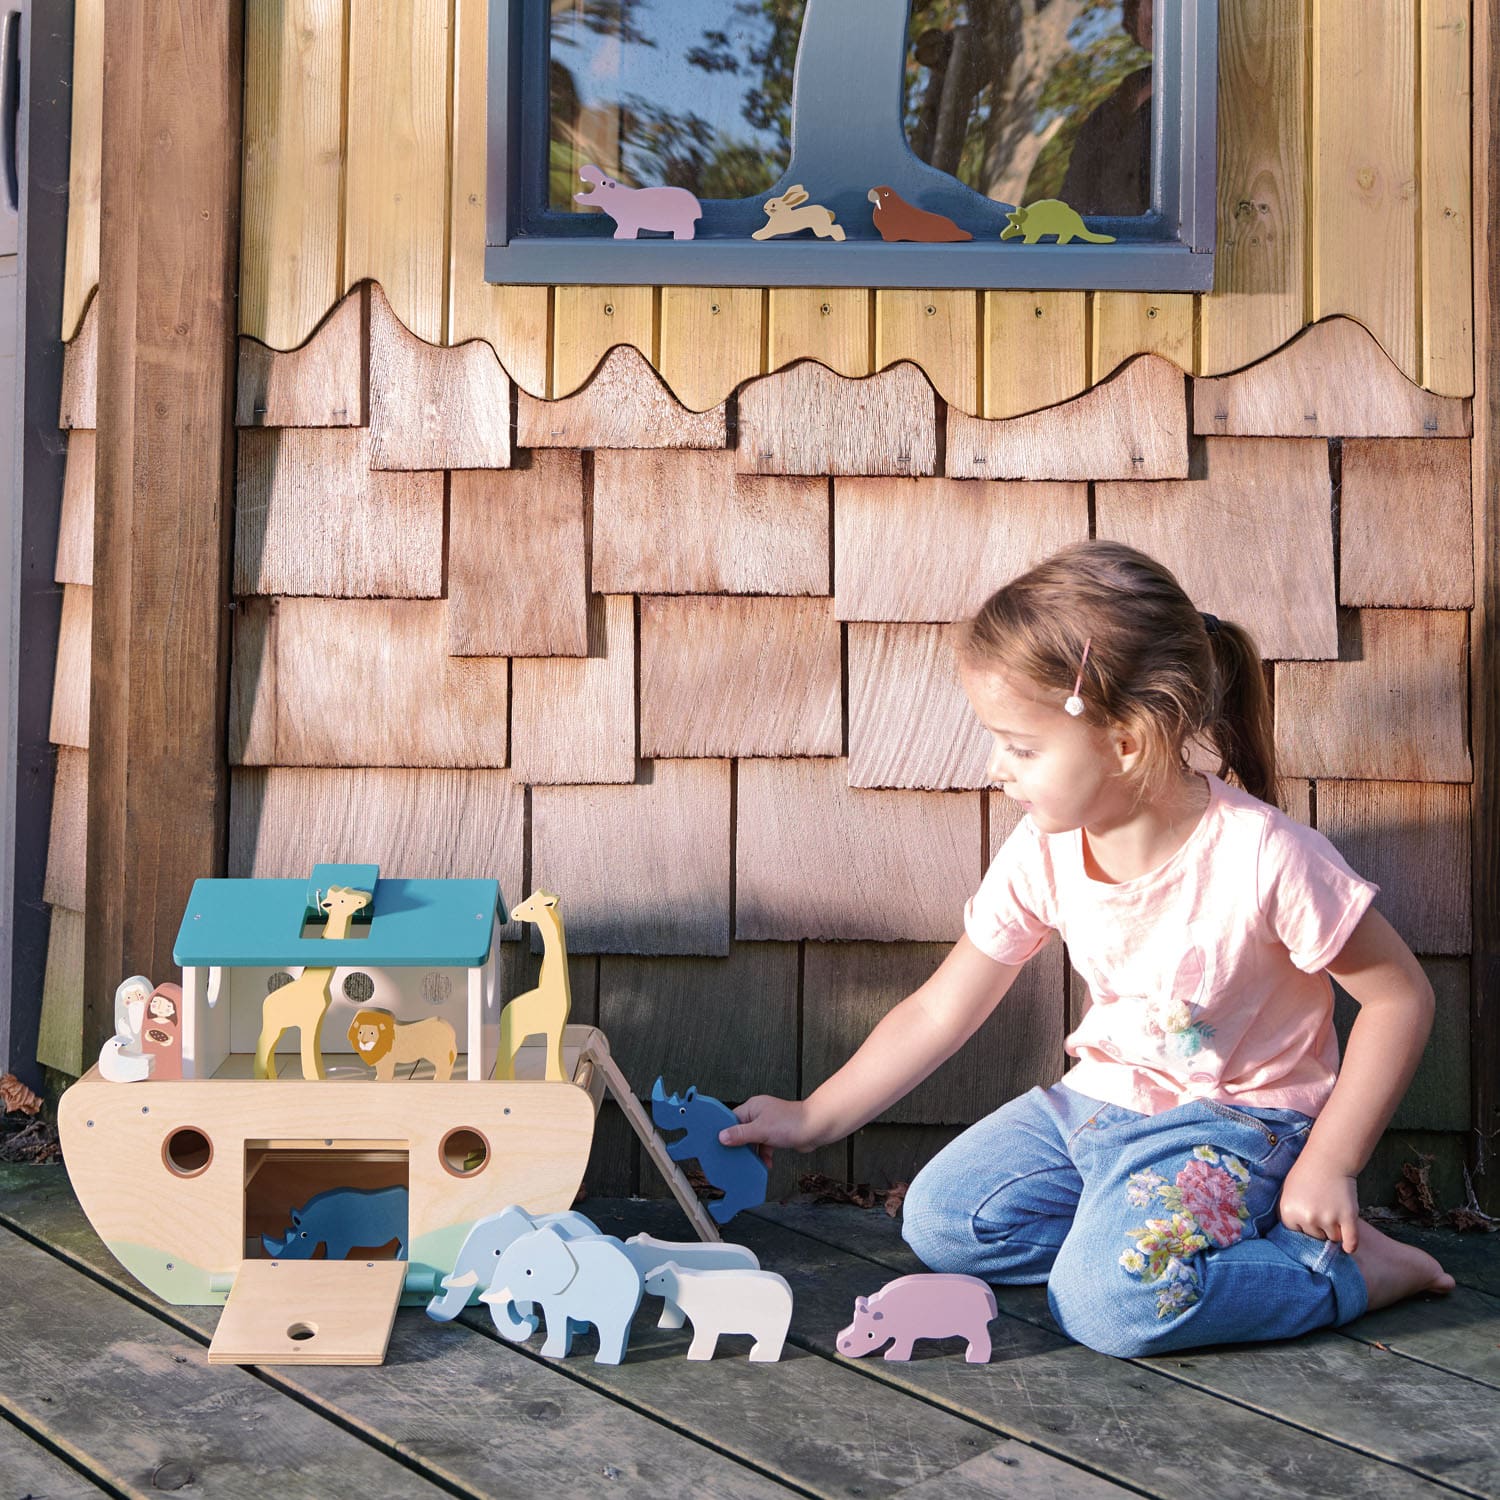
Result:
{"points": [[1152, 1232]]}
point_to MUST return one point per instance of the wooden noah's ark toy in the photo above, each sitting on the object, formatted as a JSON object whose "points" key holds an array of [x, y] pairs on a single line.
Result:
{"points": [[198, 1184]]}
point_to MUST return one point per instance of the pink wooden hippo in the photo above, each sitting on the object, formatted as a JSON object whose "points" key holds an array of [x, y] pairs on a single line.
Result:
{"points": [[927, 1306], [635, 209]]}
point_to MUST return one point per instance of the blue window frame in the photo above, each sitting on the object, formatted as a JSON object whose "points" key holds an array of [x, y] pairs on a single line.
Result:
{"points": [[848, 132]]}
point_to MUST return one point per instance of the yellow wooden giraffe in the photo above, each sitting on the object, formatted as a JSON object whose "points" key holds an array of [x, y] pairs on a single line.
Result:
{"points": [[544, 1009], [304, 1002]]}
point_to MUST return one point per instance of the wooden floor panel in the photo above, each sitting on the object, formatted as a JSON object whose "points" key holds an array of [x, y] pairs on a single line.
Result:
{"points": [[1403, 1403]]}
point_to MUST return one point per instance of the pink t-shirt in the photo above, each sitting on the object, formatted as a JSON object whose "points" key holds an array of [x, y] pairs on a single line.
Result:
{"points": [[1205, 972]]}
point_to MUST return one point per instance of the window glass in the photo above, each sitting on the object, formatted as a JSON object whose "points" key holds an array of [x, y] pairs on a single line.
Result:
{"points": [[695, 93], [1028, 99]]}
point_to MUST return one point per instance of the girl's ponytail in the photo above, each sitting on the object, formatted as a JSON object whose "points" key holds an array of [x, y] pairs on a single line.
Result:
{"points": [[1242, 730]]}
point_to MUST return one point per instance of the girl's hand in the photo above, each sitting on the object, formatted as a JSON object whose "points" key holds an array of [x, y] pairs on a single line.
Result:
{"points": [[1319, 1200], [766, 1121]]}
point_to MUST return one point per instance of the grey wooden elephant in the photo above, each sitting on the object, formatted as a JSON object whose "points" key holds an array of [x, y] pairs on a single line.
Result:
{"points": [[480, 1253], [576, 1281]]}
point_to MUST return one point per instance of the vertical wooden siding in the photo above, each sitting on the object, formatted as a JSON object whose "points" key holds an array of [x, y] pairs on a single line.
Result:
{"points": [[1344, 184]]}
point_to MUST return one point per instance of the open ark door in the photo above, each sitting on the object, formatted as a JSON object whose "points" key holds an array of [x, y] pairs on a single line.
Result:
{"points": [[309, 1312]]}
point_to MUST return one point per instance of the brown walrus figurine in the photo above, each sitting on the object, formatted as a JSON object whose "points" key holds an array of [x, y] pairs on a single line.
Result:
{"points": [[896, 219]]}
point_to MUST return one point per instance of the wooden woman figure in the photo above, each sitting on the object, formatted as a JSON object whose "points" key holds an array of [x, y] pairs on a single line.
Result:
{"points": [[161, 1036]]}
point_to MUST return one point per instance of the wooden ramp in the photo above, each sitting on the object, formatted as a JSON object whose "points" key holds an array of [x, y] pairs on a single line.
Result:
{"points": [[102, 1388]]}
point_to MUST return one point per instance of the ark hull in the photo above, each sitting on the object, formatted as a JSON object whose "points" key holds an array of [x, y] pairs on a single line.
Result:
{"points": [[180, 1178]]}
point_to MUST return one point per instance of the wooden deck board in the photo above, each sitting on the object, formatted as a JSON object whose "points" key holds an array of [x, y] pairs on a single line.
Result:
{"points": [[33, 1473], [455, 1407], [1326, 1385]]}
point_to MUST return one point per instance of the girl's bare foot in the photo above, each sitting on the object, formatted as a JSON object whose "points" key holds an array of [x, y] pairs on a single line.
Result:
{"points": [[1393, 1270]]}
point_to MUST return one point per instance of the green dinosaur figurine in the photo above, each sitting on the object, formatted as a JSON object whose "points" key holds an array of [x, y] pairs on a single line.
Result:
{"points": [[1050, 216]]}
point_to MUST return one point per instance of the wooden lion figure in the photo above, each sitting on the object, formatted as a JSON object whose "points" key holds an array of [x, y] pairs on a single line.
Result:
{"points": [[382, 1041]]}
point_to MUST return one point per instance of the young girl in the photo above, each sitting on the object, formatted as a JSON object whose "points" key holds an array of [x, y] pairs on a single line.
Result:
{"points": [[1191, 1179]]}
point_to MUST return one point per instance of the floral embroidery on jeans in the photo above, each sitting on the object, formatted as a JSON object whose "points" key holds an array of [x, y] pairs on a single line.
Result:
{"points": [[1207, 1204]]}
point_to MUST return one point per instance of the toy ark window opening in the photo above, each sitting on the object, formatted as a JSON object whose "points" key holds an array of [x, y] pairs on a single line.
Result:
{"points": [[967, 108], [281, 1176]]}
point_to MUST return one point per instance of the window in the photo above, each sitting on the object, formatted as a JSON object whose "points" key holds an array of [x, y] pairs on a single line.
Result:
{"points": [[966, 108]]}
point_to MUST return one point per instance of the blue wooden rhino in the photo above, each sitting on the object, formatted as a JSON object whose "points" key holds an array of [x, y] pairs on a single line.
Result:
{"points": [[343, 1218], [738, 1170]]}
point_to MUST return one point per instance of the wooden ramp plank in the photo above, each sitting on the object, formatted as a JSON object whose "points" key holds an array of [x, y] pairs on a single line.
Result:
{"points": [[34, 1473], [127, 1393], [438, 1387], [1110, 1413], [1131, 426]]}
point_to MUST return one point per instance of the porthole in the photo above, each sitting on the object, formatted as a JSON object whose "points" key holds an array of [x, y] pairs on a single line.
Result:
{"points": [[358, 987], [436, 987], [187, 1152], [275, 981], [464, 1152]]}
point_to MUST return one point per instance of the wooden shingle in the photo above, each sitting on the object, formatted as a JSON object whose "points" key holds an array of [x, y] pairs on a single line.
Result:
{"points": [[807, 420], [728, 1025], [1131, 426], [1392, 708], [645, 868], [848, 987], [352, 682], [59, 1041], [1250, 541], [75, 528], [312, 517], [933, 550], [816, 858], [624, 405], [70, 679], [1413, 840], [517, 560], [733, 677], [322, 384], [573, 717], [430, 407], [1332, 380], [67, 837], [78, 406], [910, 724], [1406, 526], [419, 825], [689, 523]]}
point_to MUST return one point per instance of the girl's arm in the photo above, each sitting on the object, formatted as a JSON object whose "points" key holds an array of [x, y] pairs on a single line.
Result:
{"points": [[1395, 1015], [911, 1040]]}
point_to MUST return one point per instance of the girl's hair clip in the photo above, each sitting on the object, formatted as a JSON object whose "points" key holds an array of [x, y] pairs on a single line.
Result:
{"points": [[1074, 703]]}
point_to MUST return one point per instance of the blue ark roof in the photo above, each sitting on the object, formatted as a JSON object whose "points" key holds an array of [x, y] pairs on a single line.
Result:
{"points": [[410, 923]]}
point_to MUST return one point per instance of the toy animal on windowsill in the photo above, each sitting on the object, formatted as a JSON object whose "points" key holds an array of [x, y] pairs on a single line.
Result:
{"points": [[791, 212], [671, 210], [737, 1170], [382, 1041], [896, 219], [1050, 216]]}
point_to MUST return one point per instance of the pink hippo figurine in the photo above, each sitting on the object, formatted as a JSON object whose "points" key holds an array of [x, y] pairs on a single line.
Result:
{"points": [[671, 209], [928, 1306]]}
